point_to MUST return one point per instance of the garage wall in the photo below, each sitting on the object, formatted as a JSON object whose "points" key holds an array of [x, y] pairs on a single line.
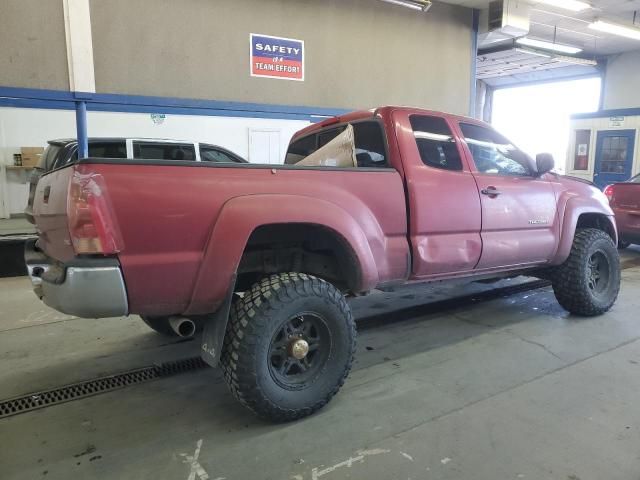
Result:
{"points": [[622, 81], [32, 44], [32, 127], [359, 53]]}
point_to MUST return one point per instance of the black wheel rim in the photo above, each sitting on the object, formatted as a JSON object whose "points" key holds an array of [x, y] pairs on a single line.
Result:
{"points": [[598, 272], [299, 350]]}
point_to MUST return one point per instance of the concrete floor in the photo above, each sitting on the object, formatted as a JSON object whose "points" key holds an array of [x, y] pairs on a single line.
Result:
{"points": [[505, 389]]}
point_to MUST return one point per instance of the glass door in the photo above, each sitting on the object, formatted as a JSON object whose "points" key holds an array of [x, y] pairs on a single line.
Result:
{"points": [[614, 156]]}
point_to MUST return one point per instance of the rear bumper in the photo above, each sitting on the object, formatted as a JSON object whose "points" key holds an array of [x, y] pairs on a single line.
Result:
{"points": [[88, 289]]}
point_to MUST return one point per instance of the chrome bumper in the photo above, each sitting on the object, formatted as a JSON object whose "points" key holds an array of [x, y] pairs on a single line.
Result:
{"points": [[96, 290]]}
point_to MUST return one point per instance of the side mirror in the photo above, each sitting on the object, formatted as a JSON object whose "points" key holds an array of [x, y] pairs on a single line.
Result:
{"points": [[544, 163]]}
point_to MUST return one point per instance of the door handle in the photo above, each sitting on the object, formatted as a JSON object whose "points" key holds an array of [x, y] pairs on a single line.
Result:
{"points": [[491, 191]]}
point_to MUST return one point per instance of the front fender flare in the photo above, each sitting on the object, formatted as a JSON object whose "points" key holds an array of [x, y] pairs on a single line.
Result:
{"points": [[569, 216]]}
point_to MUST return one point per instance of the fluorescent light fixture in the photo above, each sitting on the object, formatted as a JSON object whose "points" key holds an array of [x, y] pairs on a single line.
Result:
{"points": [[616, 29], [421, 5], [573, 5], [533, 52], [576, 60], [555, 47]]}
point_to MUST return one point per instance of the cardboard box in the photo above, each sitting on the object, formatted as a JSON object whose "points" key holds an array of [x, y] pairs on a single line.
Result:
{"points": [[31, 156]]}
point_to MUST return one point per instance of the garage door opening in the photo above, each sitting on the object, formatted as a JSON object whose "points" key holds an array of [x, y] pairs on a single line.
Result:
{"points": [[536, 117]]}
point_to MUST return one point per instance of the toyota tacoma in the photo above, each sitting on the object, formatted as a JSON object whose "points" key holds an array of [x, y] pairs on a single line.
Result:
{"points": [[263, 257]]}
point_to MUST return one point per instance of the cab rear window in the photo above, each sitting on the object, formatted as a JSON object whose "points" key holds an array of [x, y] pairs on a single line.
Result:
{"points": [[369, 141]]}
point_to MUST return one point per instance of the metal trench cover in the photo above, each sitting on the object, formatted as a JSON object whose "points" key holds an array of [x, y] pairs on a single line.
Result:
{"points": [[96, 386], [88, 388]]}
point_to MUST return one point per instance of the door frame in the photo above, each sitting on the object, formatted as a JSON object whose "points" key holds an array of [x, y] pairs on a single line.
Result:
{"points": [[4, 194], [600, 136]]}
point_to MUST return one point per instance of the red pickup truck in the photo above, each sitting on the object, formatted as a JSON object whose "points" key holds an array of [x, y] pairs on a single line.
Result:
{"points": [[624, 198], [264, 256]]}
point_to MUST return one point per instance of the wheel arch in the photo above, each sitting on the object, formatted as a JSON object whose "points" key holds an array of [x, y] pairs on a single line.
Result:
{"points": [[311, 248], [581, 212], [243, 220]]}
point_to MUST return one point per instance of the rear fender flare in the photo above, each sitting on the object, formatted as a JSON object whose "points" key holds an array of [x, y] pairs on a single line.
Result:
{"points": [[240, 216]]}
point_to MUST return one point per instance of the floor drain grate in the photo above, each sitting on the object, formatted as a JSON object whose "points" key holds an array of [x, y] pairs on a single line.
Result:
{"points": [[76, 391]]}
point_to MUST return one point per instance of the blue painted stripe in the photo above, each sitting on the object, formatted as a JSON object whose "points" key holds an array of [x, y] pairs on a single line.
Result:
{"points": [[616, 112], [36, 98], [112, 107], [32, 103]]}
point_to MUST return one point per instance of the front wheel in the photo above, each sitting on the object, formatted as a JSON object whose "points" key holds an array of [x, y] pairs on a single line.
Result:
{"points": [[289, 346], [588, 282]]}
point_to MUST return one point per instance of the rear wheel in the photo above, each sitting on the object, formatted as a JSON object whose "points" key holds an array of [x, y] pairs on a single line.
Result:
{"points": [[289, 346], [588, 282]]}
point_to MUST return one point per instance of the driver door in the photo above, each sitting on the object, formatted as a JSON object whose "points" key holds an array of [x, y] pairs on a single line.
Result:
{"points": [[519, 225]]}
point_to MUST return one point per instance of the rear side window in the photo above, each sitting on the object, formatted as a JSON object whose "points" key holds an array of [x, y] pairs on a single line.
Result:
{"points": [[371, 151], [215, 155], [494, 154], [635, 179], [370, 147], [435, 142], [163, 151]]}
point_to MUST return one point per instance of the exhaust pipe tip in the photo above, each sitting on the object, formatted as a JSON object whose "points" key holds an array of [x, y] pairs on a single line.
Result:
{"points": [[184, 327]]}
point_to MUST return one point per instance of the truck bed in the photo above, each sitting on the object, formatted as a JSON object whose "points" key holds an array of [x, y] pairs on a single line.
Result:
{"points": [[166, 213]]}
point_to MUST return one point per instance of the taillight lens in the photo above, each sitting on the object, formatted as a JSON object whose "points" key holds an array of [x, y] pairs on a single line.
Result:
{"points": [[92, 224], [608, 192]]}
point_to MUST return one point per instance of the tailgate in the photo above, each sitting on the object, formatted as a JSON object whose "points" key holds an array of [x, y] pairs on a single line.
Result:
{"points": [[50, 214], [626, 196], [625, 201]]}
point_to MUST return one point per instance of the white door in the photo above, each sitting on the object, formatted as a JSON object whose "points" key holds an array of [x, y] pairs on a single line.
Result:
{"points": [[264, 146]]}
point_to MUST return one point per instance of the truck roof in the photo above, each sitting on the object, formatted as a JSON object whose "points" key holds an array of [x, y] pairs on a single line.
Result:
{"points": [[374, 112]]}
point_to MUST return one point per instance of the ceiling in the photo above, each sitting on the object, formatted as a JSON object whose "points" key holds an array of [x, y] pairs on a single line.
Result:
{"points": [[573, 27], [510, 67], [562, 26]]}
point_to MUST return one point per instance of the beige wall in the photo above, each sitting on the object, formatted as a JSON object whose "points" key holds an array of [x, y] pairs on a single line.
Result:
{"points": [[359, 53], [622, 81], [32, 44]]}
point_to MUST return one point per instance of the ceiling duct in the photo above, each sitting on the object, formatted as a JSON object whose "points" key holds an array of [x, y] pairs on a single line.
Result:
{"points": [[503, 20]]}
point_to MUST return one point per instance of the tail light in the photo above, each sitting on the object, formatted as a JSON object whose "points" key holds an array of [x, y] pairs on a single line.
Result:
{"points": [[608, 192], [92, 224]]}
